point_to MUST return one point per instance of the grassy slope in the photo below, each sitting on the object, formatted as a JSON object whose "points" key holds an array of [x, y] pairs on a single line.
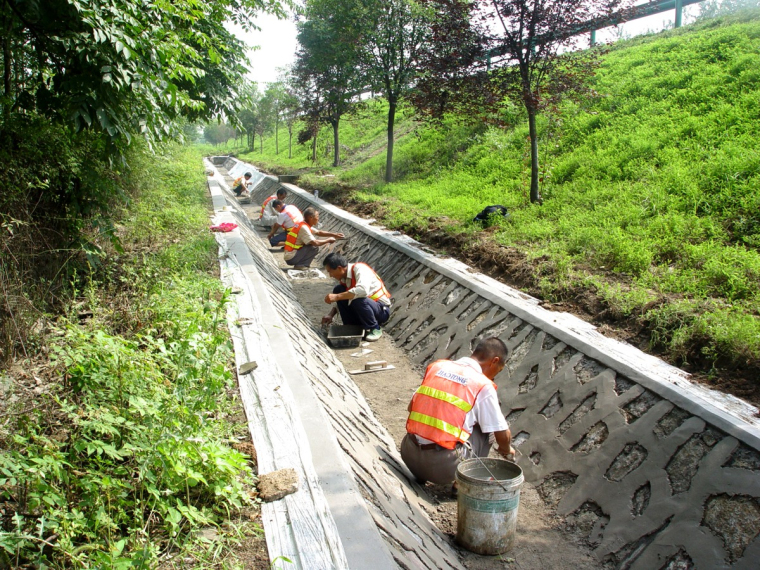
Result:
{"points": [[652, 192]]}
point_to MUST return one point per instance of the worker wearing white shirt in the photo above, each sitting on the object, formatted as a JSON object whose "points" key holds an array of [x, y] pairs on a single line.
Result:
{"points": [[301, 245], [456, 406], [268, 216], [243, 184], [360, 296], [287, 217]]}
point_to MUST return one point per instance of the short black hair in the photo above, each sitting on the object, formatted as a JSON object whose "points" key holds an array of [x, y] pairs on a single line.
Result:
{"points": [[282, 192], [489, 347], [309, 212], [247, 174], [277, 203], [334, 260]]}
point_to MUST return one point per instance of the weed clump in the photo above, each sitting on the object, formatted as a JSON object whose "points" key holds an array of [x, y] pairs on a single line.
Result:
{"points": [[114, 443]]}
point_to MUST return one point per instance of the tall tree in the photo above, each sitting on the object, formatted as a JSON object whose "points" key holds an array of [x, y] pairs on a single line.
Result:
{"points": [[247, 116], [530, 49], [290, 107], [123, 66], [392, 41], [327, 63], [218, 133], [275, 95], [264, 117]]}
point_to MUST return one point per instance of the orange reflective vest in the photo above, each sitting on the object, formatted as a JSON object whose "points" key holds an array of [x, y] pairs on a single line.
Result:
{"points": [[264, 205], [377, 295], [293, 213], [440, 405], [290, 239], [238, 182]]}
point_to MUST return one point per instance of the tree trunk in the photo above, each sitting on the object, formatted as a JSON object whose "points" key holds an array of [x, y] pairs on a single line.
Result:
{"points": [[314, 149], [389, 154], [535, 197], [290, 141], [261, 143], [7, 63], [276, 139], [336, 152]]}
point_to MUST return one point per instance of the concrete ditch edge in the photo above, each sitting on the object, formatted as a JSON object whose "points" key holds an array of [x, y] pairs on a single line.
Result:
{"points": [[655, 471], [380, 536]]}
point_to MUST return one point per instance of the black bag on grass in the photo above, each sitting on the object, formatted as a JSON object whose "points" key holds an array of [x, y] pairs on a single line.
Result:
{"points": [[489, 211]]}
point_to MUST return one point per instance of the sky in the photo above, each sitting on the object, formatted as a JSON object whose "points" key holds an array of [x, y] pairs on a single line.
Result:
{"points": [[277, 40], [277, 46]]}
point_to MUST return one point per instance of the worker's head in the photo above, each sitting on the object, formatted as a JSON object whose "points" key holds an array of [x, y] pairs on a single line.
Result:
{"points": [[281, 193], [336, 266], [247, 175], [278, 205], [491, 353], [311, 216]]}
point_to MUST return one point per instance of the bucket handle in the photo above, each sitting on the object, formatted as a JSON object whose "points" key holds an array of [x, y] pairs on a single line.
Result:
{"points": [[471, 452]]}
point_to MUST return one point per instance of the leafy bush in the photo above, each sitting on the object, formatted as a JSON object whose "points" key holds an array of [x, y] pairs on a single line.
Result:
{"points": [[125, 452]]}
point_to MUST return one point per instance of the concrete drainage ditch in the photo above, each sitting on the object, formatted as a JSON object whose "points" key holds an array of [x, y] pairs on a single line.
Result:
{"points": [[659, 472]]}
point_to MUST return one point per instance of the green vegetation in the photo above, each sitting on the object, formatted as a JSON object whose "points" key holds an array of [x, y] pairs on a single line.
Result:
{"points": [[651, 191], [114, 443]]}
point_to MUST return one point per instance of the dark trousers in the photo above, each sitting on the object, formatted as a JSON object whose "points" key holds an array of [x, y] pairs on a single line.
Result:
{"points": [[365, 312], [279, 238], [238, 190], [438, 464], [304, 256]]}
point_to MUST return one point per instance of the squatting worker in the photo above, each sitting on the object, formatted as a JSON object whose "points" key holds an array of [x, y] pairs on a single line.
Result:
{"points": [[287, 217], [243, 184], [301, 247], [360, 296], [456, 403], [268, 215]]}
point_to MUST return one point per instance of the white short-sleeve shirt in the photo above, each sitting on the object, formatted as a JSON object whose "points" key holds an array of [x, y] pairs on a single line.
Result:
{"points": [[485, 412]]}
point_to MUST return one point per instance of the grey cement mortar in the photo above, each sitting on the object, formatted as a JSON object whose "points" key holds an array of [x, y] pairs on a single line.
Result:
{"points": [[635, 461]]}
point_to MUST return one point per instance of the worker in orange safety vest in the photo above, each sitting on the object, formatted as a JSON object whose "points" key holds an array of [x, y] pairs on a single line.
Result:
{"points": [[243, 184], [301, 245], [456, 404], [360, 296], [268, 216]]}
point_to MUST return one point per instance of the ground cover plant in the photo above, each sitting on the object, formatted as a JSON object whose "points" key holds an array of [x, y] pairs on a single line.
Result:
{"points": [[115, 439], [651, 213]]}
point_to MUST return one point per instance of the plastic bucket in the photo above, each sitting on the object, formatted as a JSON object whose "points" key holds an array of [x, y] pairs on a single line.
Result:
{"points": [[487, 500]]}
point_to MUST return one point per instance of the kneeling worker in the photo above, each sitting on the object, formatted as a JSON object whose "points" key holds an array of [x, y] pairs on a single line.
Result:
{"points": [[287, 216], [360, 296], [268, 215], [243, 184], [300, 245], [456, 403]]}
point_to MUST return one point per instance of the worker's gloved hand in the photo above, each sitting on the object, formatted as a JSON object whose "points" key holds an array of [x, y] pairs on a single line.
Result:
{"points": [[327, 319]]}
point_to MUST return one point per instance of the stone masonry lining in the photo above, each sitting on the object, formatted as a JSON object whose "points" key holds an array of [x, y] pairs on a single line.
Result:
{"points": [[660, 470], [389, 528]]}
